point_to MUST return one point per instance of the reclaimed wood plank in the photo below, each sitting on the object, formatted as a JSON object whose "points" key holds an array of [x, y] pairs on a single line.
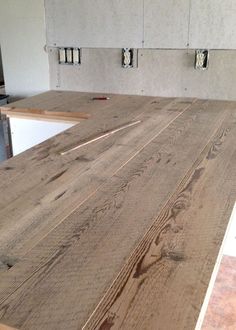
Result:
{"points": [[44, 114], [43, 154], [70, 101], [56, 195], [78, 261], [117, 112], [163, 284]]}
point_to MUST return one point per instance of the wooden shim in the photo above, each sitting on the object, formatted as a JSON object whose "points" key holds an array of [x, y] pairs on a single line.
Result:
{"points": [[101, 136], [5, 327]]}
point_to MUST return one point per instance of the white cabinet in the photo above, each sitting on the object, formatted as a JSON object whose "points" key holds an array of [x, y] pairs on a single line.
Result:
{"points": [[26, 133]]}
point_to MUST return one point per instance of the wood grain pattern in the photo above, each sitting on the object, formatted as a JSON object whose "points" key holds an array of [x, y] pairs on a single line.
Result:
{"points": [[125, 232], [44, 114], [168, 258], [37, 199]]}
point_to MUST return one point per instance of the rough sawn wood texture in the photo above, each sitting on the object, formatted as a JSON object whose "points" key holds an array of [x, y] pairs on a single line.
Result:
{"points": [[124, 232]]}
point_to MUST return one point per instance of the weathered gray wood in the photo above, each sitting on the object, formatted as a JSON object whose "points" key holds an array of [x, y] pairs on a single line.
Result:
{"points": [[62, 278], [164, 282], [53, 192]]}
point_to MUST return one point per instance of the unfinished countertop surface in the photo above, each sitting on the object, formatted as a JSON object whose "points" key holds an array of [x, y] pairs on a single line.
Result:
{"points": [[117, 222]]}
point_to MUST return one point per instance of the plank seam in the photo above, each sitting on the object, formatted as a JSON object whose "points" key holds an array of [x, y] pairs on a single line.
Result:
{"points": [[149, 235], [122, 166], [96, 190]]}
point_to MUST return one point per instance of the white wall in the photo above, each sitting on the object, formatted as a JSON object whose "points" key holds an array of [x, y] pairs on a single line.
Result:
{"points": [[22, 39]]}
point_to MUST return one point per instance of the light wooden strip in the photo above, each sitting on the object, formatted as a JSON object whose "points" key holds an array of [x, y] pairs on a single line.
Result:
{"points": [[81, 257], [43, 114], [101, 136], [5, 327]]}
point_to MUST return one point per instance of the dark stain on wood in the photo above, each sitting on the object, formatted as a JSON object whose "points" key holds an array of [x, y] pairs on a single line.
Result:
{"points": [[176, 256], [174, 110], [60, 195], [83, 158], [8, 168], [7, 262], [57, 176], [217, 144], [107, 324]]}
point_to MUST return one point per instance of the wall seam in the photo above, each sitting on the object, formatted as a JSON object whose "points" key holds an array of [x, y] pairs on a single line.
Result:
{"points": [[143, 24], [189, 23], [46, 41]]}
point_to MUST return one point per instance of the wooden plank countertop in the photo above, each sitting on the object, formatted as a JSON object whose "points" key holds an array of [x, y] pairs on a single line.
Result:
{"points": [[51, 105], [117, 222]]}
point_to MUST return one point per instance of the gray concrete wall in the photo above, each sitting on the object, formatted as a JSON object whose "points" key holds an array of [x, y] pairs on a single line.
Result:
{"points": [[22, 39], [212, 24], [166, 33], [142, 23], [159, 72], [93, 23]]}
